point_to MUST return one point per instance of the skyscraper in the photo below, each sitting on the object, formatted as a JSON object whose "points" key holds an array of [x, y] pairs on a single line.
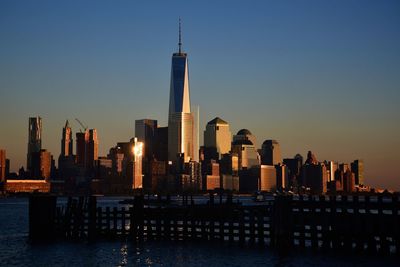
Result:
{"points": [[87, 147], [145, 131], [41, 165], [357, 167], [180, 119], [34, 138], [92, 151], [271, 153], [2, 165], [66, 141], [218, 135]]}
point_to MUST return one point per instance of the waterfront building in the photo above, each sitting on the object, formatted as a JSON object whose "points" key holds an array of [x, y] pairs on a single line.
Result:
{"points": [[217, 135], [34, 139], [66, 160], [2, 165], [294, 168], [315, 175], [245, 134], [357, 167], [145, 132], [41, 165], [282, 176], [270, 153], [66, 141], [180, 119], [247, 153], [268, 178], [87, 148]]}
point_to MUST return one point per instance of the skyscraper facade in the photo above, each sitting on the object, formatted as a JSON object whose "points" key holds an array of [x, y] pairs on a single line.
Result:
{"points": [[34, 138], [271, 153], [92, 151], [87, 148], [145, 131], [180, 119], [357, 167], [2, 165], [66, 141], [41, 165], [218, 135]]}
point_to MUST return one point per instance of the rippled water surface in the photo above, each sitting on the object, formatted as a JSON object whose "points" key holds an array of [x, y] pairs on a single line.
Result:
{"points": [[15, 250]]}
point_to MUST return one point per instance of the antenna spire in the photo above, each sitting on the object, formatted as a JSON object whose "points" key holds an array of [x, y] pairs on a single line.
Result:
{"points": [[180, 37]]}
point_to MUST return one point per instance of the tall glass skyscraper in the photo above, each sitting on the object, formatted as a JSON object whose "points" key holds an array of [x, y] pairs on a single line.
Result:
{"points": [[34, 138], [180, 119]]}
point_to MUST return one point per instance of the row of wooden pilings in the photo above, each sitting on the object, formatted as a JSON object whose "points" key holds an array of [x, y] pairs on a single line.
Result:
{"points": [[327, 222]]}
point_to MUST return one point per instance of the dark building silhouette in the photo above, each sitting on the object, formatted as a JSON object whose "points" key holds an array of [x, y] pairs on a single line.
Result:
{"points": [[161, 144], [348, 181], [294, 169], [66, 141], [2, 165], [66, 160], [145, 131], [314, 175], [34, 139], [270, 153], [41, 165], [87, 148], [357, 167]]}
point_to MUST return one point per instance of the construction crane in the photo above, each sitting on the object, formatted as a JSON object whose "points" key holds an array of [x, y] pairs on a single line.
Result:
{"points": [[83, 126]]}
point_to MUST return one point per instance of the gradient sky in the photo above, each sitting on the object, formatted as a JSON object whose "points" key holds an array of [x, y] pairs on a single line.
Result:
{"points": [[314, 75]]}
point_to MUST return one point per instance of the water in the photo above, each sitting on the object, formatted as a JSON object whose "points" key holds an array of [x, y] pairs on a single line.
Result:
{"points": [[15, 250]]}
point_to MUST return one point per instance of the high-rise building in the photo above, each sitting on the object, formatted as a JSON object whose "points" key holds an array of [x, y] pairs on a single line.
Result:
{"points": [[217, 135], [180, 119], [66, 166], [246, 151], [357, 167], [271, 153], [245, 134], [92, 151], [145, 132], [66, 141], [82, 139], [41, 164], [268, 178], [87, 148], [34, 138], [2, 165]]}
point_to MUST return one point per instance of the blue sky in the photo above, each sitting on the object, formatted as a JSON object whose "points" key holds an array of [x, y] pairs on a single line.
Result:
{"points": [[315, 75]]}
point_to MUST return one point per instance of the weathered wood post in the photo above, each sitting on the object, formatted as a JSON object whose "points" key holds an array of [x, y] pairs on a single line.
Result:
{"points": [[42, 210], [281, 233], [138, 217], [92, 218]]}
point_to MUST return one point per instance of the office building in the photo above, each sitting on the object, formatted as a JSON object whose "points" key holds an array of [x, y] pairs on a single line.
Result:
{"points": [[247, 153], [357, 167], [180, 119], [271, 153], [87, 148], [217, 135], [66, 141], [145, 132], [245, 134], [2, 165], [268, 178], [41, 165], [34, 139]]}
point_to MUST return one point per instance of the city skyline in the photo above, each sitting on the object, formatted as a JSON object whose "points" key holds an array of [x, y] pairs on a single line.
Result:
{"points": [[324, 101]]}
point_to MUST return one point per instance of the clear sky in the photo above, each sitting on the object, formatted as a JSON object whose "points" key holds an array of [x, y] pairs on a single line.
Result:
{"points": [[314, 75]]}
